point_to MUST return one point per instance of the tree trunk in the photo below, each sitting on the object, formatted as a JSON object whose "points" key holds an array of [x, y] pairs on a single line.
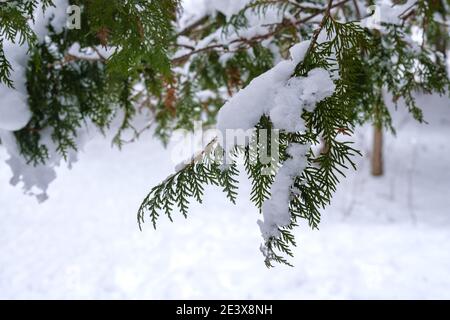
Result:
{"points": [[377, 153]]}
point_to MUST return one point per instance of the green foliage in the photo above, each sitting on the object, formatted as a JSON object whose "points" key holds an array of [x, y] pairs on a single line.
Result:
{"points": [[141, 29], [404, 70], [67, 91], [62, 97], [188, 183], [5, 68], [14, 27]]}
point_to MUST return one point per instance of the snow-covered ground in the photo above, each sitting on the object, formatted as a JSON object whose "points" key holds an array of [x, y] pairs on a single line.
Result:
{"points": [[382, 238]]}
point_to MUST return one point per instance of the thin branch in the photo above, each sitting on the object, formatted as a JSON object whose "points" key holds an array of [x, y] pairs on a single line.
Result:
{"points": [[320, 28], [191, 27], [358, 12], [194, 159], [403, 16], [247, 41], [68, 58], [102, 57]]}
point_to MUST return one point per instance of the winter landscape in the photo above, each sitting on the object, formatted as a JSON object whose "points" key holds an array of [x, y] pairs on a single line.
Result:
{"points": [[71, 231]]}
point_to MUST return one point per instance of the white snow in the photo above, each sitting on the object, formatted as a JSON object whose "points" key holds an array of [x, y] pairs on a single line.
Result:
{"points": [[276, 94], [35, 179], [276, 209], [386, 11], [15, 112], [299, 94], [55, 14], [382, 238], [100, 52], [194, 10], [244, 110]]}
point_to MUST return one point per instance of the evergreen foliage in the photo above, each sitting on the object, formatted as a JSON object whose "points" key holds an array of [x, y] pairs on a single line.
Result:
{"points": [[66, 91]]}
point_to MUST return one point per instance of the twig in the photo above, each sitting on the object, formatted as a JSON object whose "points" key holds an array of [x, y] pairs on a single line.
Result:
{"points": [[71, 57], [191, 27], [320, 28], [261, 37], [102, 57], [406, 10], [358, 12], [194, 159]]}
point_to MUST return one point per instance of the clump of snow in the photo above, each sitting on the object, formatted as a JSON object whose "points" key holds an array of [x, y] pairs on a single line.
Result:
{"points": [[277, 94], [95, 52], [228, 8], [300, 93], [276, 209], [55, 15], [245, 109], [386, 11], [283, 98], [15, 112]]}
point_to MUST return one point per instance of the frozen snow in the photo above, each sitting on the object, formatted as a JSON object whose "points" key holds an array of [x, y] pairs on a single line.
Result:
{"points": [[386, 11], [56, 15], [277, 94], [14, 110]]}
